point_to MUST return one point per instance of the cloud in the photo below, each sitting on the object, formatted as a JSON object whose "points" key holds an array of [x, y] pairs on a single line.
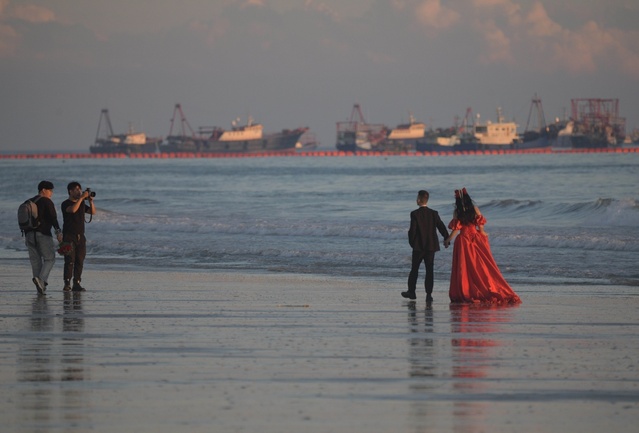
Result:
{"points": [[9, 40], [497, 45], [32, 13], [431, 13], [587, 48], [249, 3], [539, 24], [522, 33], [323, 9], [628, 51]]}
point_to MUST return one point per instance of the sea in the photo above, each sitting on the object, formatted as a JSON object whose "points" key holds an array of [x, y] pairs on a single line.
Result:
{"points": [[553, 219]]}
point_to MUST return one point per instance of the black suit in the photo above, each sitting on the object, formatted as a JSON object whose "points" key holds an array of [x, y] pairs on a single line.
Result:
{"points": [[422, 237]]}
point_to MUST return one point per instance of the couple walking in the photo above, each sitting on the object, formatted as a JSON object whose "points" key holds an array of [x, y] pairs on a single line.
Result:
{"points": [[475, 277]]}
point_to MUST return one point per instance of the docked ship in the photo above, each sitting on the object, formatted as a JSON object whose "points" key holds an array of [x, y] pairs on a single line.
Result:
{"points": [[404, 137], [499, 135], [459, 137], [106, 141], [440, 140], [537, 134], [357, 135], [308, 141], [246, 138], [594, 123]]}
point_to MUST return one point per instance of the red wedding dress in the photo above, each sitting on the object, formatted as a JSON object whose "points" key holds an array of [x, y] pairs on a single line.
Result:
{"points": [[475, 277]]}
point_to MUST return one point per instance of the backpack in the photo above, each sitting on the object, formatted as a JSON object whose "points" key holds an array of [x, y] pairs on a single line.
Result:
{"points": [[28, 215]]}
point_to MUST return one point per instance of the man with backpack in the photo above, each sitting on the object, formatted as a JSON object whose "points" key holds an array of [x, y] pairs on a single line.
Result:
{"points": [[36, 217]]}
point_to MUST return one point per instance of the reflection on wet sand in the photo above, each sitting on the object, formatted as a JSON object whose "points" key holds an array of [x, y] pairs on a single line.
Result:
{"points": [[473, 329], [72, 341], [421, 342], [49, 358], [34, 361], [452, 363], [422, 358]]}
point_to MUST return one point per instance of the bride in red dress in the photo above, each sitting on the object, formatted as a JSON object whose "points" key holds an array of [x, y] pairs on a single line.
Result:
{"points": [[475, 277]]}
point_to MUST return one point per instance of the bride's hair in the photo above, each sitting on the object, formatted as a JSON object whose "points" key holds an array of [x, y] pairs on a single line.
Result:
{"points": [[464, 207]]}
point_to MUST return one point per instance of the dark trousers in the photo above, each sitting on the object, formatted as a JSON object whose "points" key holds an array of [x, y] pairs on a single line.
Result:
{"points": [[428, 257], [74, 262]]}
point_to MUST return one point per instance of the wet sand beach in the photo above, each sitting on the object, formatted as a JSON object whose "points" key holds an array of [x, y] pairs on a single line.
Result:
{"points": [[201, 352]]}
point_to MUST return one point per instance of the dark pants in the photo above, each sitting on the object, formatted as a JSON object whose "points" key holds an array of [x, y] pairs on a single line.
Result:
{"points": [[428, 257], [74, 262]]}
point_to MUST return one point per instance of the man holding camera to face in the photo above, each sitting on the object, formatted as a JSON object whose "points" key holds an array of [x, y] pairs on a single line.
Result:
{"points": [[73, 214]]}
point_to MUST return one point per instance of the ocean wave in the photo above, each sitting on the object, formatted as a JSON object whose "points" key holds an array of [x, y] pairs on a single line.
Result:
{"points": [[512, 204], [605, 212]]}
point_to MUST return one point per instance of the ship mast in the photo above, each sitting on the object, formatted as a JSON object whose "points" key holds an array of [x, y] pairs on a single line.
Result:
{"points": [[184, 124], [537, 110], [104, 114]]}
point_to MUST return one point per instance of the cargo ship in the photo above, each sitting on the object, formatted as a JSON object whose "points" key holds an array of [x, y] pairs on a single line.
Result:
{"points": [[404, 137], [246, 138], [440, 140], [536, 134], [499, 135], [594, 123], [357, 135], [106, 141]]}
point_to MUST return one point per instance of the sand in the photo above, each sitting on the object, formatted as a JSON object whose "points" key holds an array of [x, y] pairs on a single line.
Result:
{"points": [[202, 352]]}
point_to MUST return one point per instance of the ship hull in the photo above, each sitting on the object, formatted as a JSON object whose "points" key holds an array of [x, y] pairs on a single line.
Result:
{"points": [[284, 141], [588, 142], [103, 146], [383, 146], [534, 143]]}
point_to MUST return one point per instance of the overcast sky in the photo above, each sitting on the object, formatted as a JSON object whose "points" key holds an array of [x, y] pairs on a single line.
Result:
{"points": [[291, 63]]}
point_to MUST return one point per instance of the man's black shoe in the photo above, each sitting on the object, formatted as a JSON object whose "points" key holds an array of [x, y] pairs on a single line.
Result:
{"points": [[409, 295], [78, 288], [429, 298]]}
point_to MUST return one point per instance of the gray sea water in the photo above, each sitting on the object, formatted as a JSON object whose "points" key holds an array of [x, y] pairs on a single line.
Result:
{"points": [[553, 219]]}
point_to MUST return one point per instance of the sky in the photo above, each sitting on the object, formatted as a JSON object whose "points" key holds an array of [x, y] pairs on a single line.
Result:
{"points": [[293, 63]]}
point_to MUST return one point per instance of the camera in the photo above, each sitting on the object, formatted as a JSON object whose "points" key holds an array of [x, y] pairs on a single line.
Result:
{"points": [[91, 193]]}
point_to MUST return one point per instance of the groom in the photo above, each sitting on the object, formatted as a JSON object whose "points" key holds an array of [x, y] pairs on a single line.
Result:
{"points": [[422, 237]]}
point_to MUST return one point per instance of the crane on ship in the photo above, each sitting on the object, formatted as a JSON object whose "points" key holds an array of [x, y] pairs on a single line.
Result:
{"points": [[184, 136], [105, 129], [185, 128], [536, 113]]}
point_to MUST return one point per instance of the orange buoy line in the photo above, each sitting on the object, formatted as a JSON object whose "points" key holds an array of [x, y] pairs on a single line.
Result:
{"points": [[314, 153]]}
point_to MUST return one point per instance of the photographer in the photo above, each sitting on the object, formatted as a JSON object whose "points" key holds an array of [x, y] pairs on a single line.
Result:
{"points": [[73, 214]]}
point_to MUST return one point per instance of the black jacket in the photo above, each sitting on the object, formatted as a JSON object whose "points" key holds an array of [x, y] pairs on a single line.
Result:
{"points": [[424, 223], [47, 215]]}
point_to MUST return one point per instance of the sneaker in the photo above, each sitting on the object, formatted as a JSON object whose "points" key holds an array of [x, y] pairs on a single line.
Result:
{"points": [[40, 287], [409, 295], [78, 288], [67, 287]]}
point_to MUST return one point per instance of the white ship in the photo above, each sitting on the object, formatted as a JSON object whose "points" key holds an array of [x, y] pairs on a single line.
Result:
{"points": [[248, 138], [495, 135], [404, 137], [408, 131]]}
